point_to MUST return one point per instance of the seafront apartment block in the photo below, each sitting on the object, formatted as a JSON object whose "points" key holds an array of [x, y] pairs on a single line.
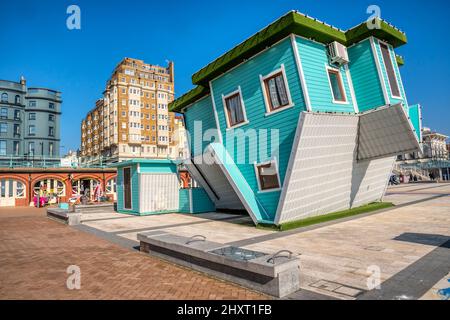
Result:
{"points": [[132, 119]]}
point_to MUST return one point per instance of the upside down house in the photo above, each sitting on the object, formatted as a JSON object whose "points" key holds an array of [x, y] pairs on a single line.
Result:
{"points": [[331, 105]]}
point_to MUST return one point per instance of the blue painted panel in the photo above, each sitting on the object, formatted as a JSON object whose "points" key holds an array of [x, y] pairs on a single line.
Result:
{"points": [[184, 201], [281, 125], [201, 201], [158, 168], [364, 73], [314, 60], [416, 120], [199, 118]]}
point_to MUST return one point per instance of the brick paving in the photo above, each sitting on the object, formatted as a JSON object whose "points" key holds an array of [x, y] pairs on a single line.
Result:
{"points": [[35, 253]]}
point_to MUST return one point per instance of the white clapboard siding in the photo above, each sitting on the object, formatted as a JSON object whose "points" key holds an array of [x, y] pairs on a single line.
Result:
{"points": [[326, 176], [159, 192]]}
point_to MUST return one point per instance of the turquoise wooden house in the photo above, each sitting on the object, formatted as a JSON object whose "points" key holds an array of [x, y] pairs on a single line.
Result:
{"points": [[146, 186], [300, 119]]}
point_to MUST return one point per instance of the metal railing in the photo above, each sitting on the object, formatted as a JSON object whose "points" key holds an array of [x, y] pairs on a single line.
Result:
{"points": [[43, 162]]}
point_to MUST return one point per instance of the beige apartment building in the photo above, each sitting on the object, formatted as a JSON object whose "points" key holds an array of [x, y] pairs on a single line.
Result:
{"points": [[132, 119]]}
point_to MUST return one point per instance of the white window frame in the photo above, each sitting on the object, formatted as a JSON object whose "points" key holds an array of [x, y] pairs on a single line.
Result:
{"points": [[328, 68], [224, 98], [393, 67], [262, 80], [256, 165]]}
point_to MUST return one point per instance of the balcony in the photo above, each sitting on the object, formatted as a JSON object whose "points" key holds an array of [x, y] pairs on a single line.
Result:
{"points": [[44, 93]]}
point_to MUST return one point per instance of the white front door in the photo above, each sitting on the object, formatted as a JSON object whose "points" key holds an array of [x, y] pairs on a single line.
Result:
{"points": [[7, 198]]}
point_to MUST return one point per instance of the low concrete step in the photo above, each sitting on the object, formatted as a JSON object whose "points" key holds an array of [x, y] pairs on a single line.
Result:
{"points": [[95, 208]]}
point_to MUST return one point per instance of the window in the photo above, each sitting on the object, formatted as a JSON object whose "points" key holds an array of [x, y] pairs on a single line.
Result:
{"points": [[50, 149], [267, 176], [16, 129], [32, 130], [17, 114], [390, 70], [3, 127], [32, 116], [234, 109], [32, 104], [4, 97], [111, 186], [276, 90], [17, 99], [337, 88], [51, 131], [16, 149], [51, 105], [2, 148], [31, 148], [4, 113], [20, 190], [51, 117]]}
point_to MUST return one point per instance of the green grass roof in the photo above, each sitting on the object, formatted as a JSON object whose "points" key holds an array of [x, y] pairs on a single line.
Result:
{"points": [[292, 22]]}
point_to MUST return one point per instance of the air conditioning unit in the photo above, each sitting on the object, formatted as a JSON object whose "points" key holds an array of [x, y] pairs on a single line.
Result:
{"points": [[338, 53]]}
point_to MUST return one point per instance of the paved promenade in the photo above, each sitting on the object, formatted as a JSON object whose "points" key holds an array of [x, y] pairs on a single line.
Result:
{"points": [[35, 253], [337, 258], [408, 246]]}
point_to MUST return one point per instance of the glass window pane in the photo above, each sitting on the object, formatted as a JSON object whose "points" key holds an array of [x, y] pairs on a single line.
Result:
{"points": [[336, 86], [390, 70], [234, 109], [268, 176]]}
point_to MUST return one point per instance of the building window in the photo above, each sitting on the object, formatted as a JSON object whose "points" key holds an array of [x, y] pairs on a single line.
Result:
{"points": [[2, 148], [337, 87], [32, 104], [51, 131], [20, 190], [395, 90], [16, 114], [276, 90], [51, 105], [4, 97], [16, 130], [3, 128], [50, 149], [4, 113], [16, 149], [234, 109], [32, 116], [32, 130], [267, 176], [17, 99], [51, 117], [111, 186], [31, 148]]}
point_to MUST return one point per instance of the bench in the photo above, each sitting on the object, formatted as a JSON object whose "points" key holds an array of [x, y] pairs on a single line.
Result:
{"points": [[64, 216], [274, 274]]}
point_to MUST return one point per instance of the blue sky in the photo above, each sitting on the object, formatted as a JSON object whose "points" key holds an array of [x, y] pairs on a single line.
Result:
{"points": [[37, 44]]}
